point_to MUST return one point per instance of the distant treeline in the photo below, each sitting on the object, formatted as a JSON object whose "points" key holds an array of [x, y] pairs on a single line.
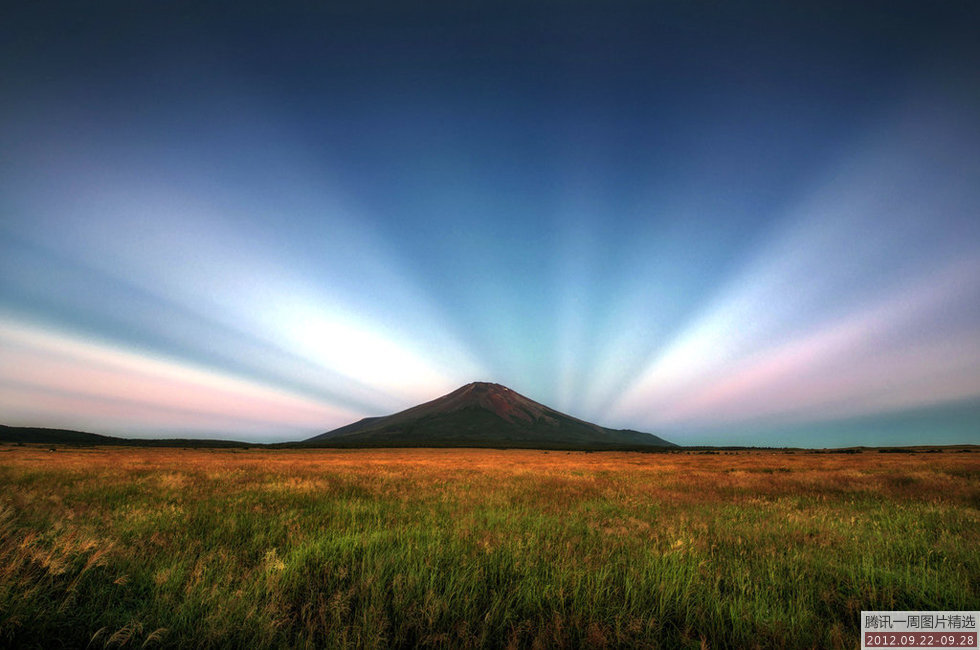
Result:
{"points": [[43, 436]]}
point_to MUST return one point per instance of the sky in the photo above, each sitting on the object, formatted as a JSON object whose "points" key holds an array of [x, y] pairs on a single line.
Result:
{"points": [[723, 223]]}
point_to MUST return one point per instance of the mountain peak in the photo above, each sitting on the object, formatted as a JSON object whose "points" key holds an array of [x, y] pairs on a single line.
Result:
{"points": [[485, 414], [496, 398], [477, 388], [481, 387]]}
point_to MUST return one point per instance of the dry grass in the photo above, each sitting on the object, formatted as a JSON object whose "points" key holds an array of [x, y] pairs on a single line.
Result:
{"points": [[476, 548]]}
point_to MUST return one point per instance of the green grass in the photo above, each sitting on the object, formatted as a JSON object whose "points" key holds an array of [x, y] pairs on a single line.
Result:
{"points": [[476, 548]]}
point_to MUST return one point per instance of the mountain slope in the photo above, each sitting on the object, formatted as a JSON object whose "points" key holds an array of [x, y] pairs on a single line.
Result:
{"points": [[484, 415]]}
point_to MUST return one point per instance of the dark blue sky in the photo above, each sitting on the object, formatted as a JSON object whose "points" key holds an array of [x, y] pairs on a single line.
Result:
{"points": [[726, 222]]}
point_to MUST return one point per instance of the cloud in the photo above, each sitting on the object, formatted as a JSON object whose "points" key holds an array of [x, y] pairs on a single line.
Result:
{"points": [[51, 376]]}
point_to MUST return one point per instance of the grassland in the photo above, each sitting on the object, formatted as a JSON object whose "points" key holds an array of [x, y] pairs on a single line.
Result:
{"points": [[111, 547]]}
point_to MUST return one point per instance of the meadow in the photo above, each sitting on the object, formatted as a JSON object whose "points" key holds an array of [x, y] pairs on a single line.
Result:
{"points": [[133, 547]]}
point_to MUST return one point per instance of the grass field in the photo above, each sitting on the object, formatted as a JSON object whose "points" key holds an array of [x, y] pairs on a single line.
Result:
{"points": [[476, 548]]}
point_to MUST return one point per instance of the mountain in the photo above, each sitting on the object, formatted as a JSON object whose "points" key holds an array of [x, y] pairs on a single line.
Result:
{"points": [[484, 415]]}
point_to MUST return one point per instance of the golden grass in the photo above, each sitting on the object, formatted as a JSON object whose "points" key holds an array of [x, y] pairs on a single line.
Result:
{"points": [[476, 547]]}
